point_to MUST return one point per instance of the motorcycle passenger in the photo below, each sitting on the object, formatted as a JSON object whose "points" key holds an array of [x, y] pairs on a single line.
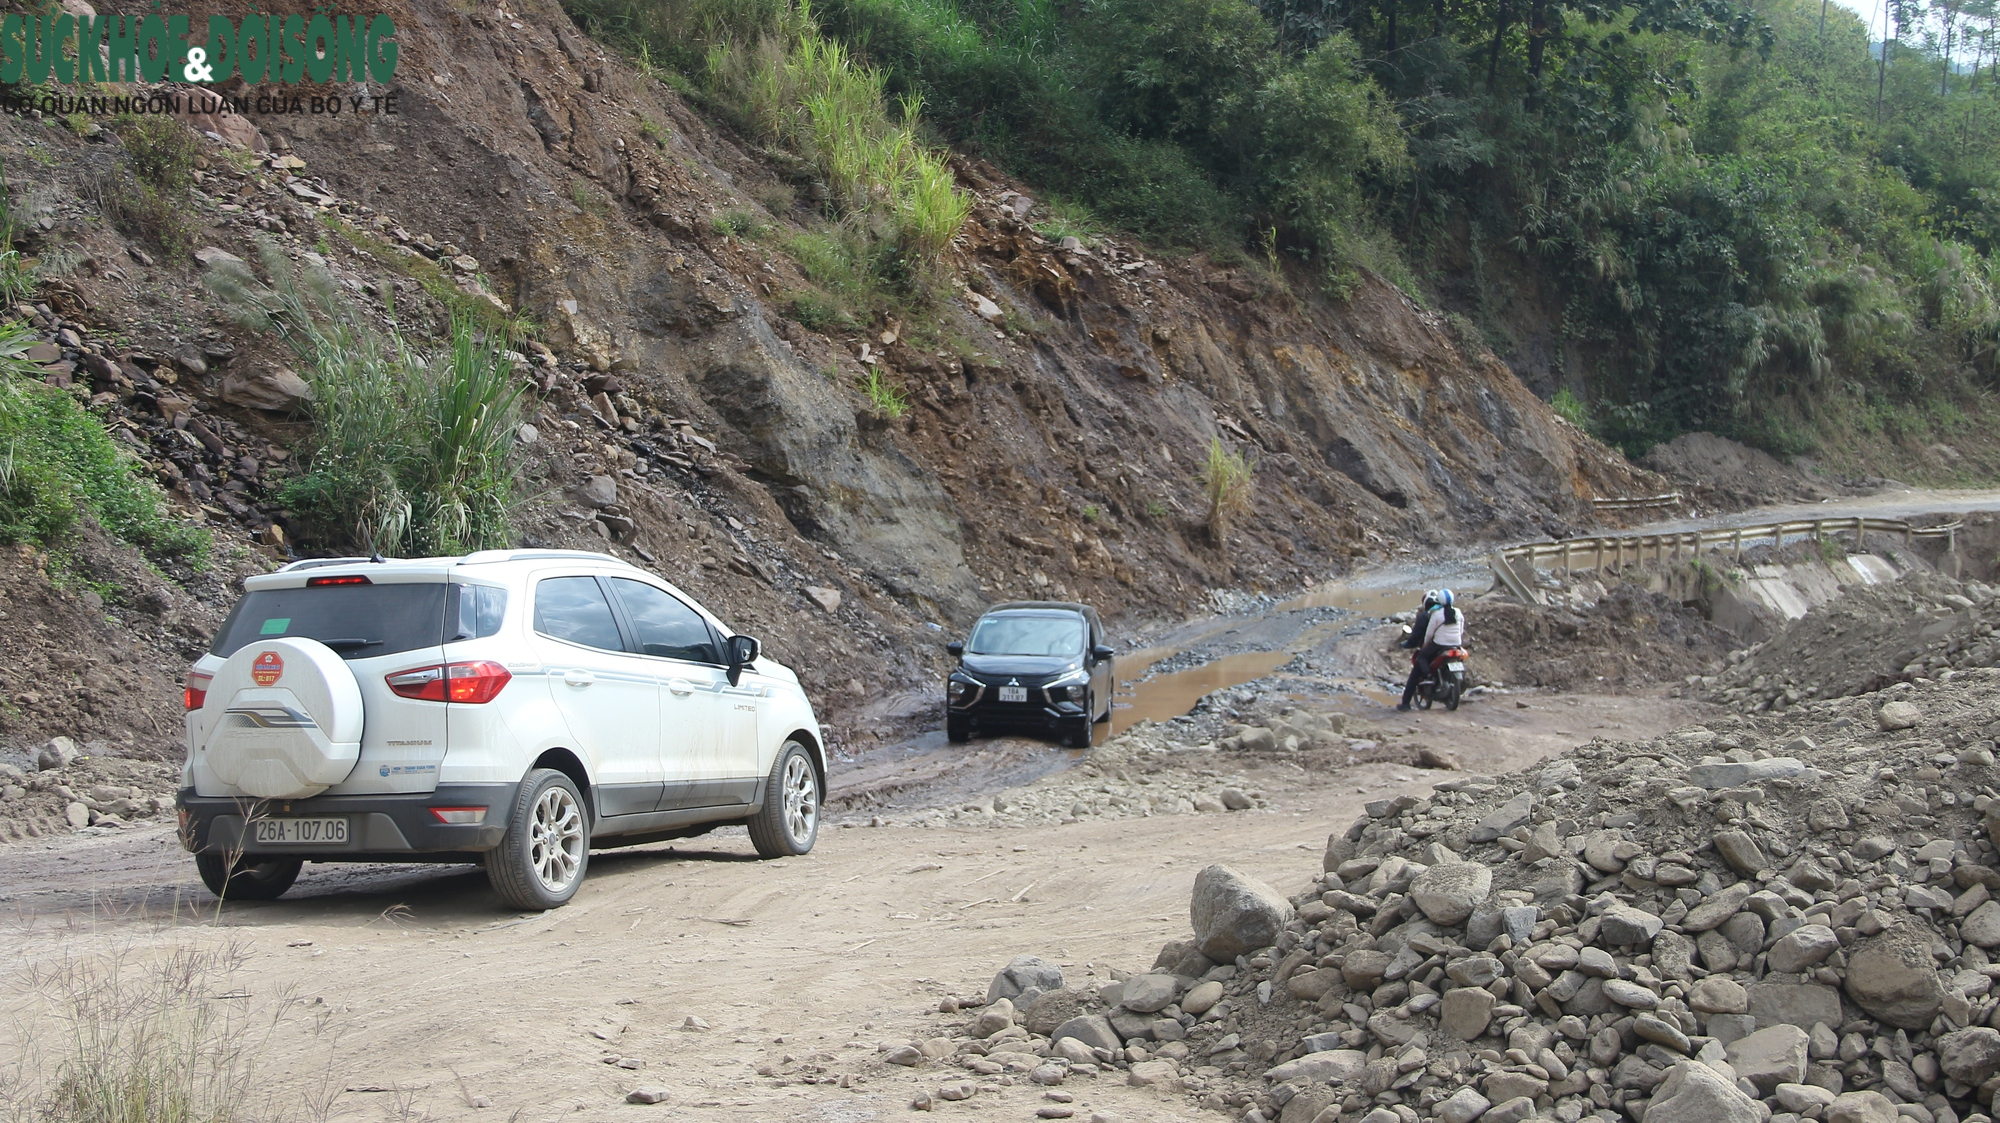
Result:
{"points": [[1418, 626], [1444, 631]]}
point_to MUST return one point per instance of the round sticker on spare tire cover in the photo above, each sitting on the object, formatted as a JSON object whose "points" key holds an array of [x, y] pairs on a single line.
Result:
{"points": [[268, 668]]}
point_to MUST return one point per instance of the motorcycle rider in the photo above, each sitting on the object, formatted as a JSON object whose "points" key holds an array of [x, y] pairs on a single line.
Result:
{"points": [[1444, 631], [1418, 626]]}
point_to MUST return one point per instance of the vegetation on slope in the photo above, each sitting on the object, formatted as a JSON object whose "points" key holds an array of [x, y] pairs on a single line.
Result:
{"points": [[1745, 220], [411, 454]]}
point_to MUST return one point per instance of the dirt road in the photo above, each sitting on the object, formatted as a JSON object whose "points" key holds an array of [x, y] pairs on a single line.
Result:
{"points": [[405, 993], [410, 981]]}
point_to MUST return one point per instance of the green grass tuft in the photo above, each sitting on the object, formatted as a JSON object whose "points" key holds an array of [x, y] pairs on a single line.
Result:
{"points": [[411, 454]]}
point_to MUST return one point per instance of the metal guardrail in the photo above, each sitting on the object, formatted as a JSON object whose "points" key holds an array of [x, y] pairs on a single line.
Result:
{"points": [[1638, 503], [1515, 566]]}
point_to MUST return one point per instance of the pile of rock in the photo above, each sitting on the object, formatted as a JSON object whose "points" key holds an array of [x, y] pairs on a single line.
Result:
{"points": [[76, 786], [1766, 919], [1923, 626]]}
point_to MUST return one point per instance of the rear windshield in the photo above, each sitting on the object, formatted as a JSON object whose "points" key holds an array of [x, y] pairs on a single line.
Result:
{"points": [[1027, 635], [358, 621]]}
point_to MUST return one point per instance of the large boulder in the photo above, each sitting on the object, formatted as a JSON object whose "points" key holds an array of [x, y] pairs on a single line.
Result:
{"points": [[1692, 1092], [272, 388], [1770, 1057], [1892, 976], [1144, 994], [1449, 891], [1234, 914], [1970, 1056], [1024, 974], [1093, 1030], [1862, 1107]]}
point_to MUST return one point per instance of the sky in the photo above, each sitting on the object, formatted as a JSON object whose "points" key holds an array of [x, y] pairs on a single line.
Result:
{"points": [[1870, 12]]}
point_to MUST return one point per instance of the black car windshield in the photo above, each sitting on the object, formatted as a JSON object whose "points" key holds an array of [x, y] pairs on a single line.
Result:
{"points": [[357, 621], [1011, 634]]}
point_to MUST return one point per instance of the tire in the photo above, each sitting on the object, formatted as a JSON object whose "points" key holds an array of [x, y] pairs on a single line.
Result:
{"points": [[251, 877], [957, 728], [1078, 737], [788, 822], [542, 859], [1426, 694], [1451, 694]]}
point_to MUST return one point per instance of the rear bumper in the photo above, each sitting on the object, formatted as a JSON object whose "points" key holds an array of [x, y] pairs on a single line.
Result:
{"points": [[392, 826]]}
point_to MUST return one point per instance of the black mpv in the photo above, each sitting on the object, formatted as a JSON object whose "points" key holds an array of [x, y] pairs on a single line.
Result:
{"points": [[1034, 666]]}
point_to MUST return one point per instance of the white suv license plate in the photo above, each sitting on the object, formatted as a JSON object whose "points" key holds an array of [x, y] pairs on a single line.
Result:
{"points": [[300, 831], [1013, 694]]}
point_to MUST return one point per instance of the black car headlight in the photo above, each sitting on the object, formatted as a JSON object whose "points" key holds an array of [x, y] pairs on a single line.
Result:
{"points": [[1069, 689], [956, 689]]}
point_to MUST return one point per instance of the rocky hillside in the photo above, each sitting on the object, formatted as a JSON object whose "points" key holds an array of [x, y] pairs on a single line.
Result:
{"points": [[1062, 395]]}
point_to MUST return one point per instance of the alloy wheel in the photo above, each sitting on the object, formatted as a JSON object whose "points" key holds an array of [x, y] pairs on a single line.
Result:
{"points": [[801, 798], [555, 839]]}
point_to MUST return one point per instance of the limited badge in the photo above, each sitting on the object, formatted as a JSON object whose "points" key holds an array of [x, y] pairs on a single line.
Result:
{"points": [[268, 668]]}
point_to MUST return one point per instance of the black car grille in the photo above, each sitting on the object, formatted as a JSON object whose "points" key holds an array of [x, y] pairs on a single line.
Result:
{"points": [[1034, 684]]}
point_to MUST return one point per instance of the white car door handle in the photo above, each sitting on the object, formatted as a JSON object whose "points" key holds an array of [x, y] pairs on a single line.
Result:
{"points": [[680, 686], [579, 678]]}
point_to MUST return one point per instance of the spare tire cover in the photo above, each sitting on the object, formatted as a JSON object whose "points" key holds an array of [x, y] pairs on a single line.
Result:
{"points": [[291, 721]]}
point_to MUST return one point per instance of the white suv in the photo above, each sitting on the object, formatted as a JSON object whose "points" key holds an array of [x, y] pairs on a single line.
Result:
{"points": [[513, 707]]}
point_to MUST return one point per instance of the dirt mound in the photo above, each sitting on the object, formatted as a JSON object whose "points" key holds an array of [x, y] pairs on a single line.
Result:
{"points": [[1717, 472], [1762, 917], [1923, 625], [1629, 636], [97, 653]]}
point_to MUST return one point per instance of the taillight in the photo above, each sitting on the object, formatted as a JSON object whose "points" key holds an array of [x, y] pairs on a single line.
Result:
{"points": [[472, 683], [196, 691], [356, 579]]}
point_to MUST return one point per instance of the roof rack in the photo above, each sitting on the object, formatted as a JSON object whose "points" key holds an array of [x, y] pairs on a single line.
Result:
{"points": [[484, 557], [321, 563]]}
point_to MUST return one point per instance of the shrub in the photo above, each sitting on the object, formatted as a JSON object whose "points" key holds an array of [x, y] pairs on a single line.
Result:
{"points": [[410, 454], [57, 465], [1226, 483], [1570, 408], [153, 202]]}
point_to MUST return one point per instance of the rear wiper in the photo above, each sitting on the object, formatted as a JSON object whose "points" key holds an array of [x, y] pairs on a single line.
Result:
{"points": [[351, 644]]}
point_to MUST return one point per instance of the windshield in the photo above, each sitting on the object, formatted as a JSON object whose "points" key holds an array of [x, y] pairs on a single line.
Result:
{"points": [[1027, 635], [356, 621]]}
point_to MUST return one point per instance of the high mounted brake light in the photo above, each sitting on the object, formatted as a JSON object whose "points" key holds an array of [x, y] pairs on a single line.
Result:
{"points": [[472, 683], [195, 693], [352, 579]]}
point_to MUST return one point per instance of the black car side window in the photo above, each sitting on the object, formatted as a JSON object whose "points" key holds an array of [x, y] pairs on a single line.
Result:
{"points": [[666, 627], [574, 609]]}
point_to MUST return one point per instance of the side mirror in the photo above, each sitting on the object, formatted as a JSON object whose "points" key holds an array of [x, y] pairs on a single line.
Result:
{"points": [[955, 649], [1101, 653], [743, 651]]}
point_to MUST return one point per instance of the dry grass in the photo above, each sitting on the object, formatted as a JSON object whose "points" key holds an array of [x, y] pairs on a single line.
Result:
{"points": [[139, 1037]]}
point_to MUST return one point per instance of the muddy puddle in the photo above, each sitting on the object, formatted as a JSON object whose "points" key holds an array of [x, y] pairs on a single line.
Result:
{"points": [[1164, 697]]}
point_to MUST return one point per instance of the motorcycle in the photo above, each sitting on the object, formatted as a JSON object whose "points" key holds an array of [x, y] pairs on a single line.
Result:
{"points": [[1446, 680]]}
